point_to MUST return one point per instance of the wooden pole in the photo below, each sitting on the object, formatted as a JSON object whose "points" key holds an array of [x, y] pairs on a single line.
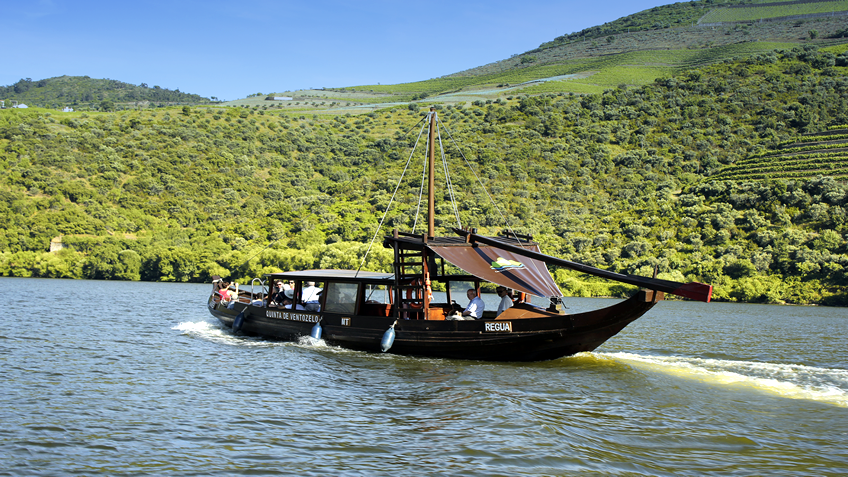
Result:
{"points": [[431, 203]]}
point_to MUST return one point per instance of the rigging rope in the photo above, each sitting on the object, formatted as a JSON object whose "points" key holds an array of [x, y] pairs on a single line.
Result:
{"points": [[421, 190], [450, 136], [449, 184], [532, 262], [447, 176], [388, 207], [257, 253]]}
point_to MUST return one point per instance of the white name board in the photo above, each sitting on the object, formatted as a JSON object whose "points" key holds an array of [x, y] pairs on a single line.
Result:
{"points": [[285, 315], [503, 326]]}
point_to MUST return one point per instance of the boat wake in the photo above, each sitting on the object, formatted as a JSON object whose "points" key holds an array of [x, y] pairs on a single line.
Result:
{"points": [[791, 381], [214, 331], [310, 342]]}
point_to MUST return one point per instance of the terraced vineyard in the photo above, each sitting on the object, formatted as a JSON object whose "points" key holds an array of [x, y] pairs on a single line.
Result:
{"points": [[740, 13], [636, 68], [585, 76], [812, 155], [633, 51]]}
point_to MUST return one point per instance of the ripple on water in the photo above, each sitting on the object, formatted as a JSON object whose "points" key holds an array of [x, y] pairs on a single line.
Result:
{"points": [[173, 392]]}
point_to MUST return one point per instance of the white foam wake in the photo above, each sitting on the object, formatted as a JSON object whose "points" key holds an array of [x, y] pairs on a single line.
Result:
{"points": [[213, 331], [203, 329], [792, 381], [196, 327]]}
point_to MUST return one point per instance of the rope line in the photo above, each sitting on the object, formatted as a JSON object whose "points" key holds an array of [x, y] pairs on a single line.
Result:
{"points": [[447, 176], [421, 190], [388, 207], [509, 227], [495, 205], [449, 185]]}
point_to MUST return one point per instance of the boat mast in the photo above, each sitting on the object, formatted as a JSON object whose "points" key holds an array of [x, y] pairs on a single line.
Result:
{"points": [[431, 207]]}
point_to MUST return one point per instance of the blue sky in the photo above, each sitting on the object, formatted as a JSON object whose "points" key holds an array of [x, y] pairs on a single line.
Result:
{"points": [[236, 48]]}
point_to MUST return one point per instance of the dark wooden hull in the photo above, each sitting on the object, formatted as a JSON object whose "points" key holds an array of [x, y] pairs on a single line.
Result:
{"points": [[547, 336]]}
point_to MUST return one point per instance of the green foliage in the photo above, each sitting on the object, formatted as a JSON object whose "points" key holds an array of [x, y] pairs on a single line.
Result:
{"points": [[84, 92], [628, 179]]}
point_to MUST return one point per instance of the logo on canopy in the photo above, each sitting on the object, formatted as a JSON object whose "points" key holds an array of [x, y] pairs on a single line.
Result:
{"points": [[502, 264]]}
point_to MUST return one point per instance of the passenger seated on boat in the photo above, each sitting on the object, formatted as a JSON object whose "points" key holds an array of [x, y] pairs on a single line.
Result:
{"points": [[347, 304], [223, 293], [475, 306], [228, 297], [279, 294], [506, 299], [288, 295], [310, 293], [310, 296], [456, 315], [287, 304]]}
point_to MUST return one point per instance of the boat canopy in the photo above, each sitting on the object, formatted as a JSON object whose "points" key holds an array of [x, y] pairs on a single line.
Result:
{"points": [[499, 266], [334, 275]]}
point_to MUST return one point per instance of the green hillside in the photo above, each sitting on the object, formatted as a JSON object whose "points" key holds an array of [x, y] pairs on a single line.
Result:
{"points": [[630, 52], [745, 13], [681, 16], [82, 92], [624, 180]]}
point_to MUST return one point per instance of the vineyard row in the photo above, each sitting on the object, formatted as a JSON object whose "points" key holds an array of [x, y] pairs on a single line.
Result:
{"points": [[786, 175], [800, 149], [771, 159], [784, 170]]}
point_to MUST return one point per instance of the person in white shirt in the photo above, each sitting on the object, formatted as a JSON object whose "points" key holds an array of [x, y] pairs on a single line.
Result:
{"points": [[310, 296], [506, 300], [475, 306]]}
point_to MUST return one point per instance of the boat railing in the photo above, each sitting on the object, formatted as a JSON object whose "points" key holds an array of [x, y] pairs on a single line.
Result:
{"points": [[406, 234], [262, 290]]}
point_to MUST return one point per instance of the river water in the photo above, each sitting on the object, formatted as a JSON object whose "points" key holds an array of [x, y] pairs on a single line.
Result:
{"points": [[121, 378]]}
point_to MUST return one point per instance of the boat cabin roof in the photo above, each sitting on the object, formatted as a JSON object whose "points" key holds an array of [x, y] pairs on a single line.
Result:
{"points": [[333, 275], [418, 242]]}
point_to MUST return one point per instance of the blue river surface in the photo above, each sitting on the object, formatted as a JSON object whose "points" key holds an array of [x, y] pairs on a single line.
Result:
{"points": [[136, 378]]}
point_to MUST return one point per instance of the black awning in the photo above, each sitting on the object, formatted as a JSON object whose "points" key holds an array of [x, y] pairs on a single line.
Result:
{"points": [[499, 266]]}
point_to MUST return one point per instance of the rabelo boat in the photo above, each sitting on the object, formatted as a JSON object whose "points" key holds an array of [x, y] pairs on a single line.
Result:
{"points": [[397, 313]]}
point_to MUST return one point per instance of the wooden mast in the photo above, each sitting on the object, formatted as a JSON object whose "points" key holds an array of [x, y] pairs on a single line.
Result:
{"points": [[431, 207], [431, 213]]}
